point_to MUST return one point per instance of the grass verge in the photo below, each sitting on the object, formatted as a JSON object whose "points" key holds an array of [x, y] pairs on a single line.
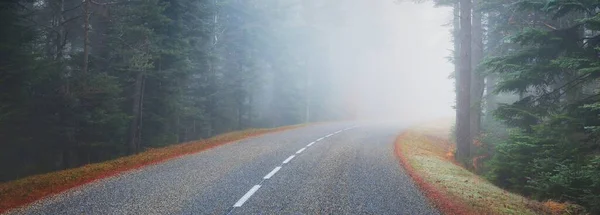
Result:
{"points": [[23, 191], [426, 154]]}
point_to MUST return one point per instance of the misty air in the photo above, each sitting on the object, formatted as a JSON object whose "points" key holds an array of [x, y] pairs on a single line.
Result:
{"points": [[299, 107]]}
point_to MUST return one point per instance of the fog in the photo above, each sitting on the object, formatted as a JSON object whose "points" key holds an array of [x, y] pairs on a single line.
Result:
{"points": [[391, 59]]}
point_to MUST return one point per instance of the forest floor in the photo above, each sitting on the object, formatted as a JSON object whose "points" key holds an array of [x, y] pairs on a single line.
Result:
{"points": [[427, 154], [26, 190]]}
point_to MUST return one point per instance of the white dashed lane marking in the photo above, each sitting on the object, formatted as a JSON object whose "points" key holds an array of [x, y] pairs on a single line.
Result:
{"points": [[246, 196], [289, 159], [300, 151], [272, 173], [251, 192]]}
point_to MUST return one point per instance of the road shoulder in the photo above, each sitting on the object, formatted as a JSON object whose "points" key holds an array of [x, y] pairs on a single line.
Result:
{"points": [[426, 153]]}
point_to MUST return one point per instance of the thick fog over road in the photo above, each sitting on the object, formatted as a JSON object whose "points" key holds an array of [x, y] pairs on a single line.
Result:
{"points": [[394, 59]]}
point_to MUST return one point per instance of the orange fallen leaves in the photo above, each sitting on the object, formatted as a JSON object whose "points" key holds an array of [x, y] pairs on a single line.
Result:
{"points": [[442, 200], [555, 207], [450, 154]]}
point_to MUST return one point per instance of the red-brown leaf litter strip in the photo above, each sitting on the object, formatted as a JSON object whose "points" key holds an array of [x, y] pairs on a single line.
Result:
{"points": [[442, 201]]}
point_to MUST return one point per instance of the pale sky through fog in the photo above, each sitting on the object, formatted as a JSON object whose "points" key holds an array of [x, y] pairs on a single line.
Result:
{"points": [[408, 76]]}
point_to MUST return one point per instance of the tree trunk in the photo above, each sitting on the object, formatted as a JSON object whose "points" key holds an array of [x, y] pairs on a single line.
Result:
{"points": [[463, 98], [86, 36], [60, 36], [239, 116], [251, 110], [456, 35], [307, 102], [194, 132], [134, 128], [66, 158], [493, 44], [140, 113], [477, 80]]}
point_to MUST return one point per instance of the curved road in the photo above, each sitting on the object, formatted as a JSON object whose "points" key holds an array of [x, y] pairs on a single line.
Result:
{"points": [[333, 168]]}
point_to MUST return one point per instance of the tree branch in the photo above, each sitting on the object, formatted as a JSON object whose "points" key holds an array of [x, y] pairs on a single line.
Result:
{"points": [[579, 80], [70, 19]]}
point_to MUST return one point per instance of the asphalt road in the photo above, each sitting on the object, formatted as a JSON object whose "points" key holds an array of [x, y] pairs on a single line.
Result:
{"points": [[343, 171]]}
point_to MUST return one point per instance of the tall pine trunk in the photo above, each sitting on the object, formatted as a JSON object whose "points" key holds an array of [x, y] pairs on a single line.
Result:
{"points": [[493, 44], [86, 36], [136, 106], [463, 98], [477, 80], [456, 35], [60, 34], [307, 101]]}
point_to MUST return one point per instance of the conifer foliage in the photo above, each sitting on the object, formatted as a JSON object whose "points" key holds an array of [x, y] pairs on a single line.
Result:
{"points": [[541, 106], [83, 81]]}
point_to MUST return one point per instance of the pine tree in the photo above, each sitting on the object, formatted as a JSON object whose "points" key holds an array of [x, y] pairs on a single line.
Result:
{"points": [[550, 61], [463, 98]]}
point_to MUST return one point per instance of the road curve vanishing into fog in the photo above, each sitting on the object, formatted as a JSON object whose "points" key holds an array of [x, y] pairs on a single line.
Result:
{"points": [[332, 168]]}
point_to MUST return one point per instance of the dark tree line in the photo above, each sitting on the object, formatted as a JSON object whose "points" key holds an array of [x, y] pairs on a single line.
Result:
{"points": [[534, 74], [86, 81]]}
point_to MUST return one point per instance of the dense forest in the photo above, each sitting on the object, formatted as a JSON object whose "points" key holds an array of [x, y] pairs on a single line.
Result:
{"points": [[84, 81], [92, 80], [527, 78]]}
